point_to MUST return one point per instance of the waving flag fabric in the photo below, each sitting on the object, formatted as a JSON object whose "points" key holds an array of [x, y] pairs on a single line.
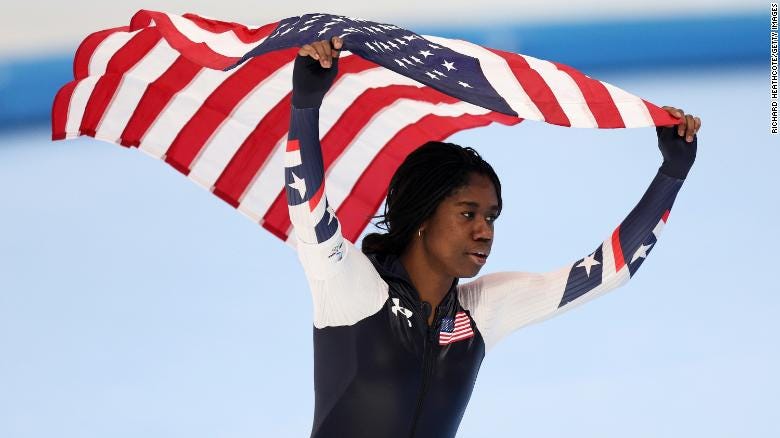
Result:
{"points": [[212, 99]]}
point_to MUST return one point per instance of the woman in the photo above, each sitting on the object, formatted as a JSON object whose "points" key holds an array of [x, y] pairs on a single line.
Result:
{"points": [[397, 341]]}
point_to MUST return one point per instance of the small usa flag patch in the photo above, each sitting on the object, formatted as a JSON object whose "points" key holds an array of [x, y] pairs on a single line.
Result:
{"points": [[455, 330]]}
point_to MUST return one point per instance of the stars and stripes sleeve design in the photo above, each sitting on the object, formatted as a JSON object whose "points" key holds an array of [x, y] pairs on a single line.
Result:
{"points": [[159, 85], [503, 302], [344, 284]]}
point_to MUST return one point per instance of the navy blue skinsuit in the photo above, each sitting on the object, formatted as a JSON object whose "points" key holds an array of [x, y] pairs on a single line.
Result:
{"points": [[379, 369]]}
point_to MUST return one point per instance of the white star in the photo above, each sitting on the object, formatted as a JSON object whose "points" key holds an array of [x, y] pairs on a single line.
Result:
{"points": [[323, 31], [449, 65], [392, 43], [298, 184], [587, 262], [434, 46], [439, 73], [402, 42], [304, 28], [641, 252], [433, 76], [400, 63], [411, 37], [385, 46], [415, 59], [370, 46], [464, 84], [426, 53], [286, 30], [407, 61], [310, 21]]}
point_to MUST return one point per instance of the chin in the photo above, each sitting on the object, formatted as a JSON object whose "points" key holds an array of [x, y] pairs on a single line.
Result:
{"points": [[470, 272]]}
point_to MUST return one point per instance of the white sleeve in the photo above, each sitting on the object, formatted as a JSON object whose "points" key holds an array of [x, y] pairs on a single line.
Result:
{"points": [[503, 302], [345, 286]]}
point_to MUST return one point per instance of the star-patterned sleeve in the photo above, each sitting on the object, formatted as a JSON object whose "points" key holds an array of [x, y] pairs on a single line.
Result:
{"points": [[344, 284], [503, 302]]}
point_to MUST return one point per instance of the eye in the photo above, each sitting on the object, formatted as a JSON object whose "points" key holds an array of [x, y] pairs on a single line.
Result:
{"points": [[491, 218], [468, 214]]}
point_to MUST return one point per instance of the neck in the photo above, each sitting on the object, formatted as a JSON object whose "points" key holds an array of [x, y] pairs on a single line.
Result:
{"points": [[431, 281]]}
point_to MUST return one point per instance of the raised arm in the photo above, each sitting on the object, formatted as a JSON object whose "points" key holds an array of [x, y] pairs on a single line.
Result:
{"points": [[344, 284], [503, 302]]}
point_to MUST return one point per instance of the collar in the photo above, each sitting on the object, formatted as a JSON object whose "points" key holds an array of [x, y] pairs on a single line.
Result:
{"points": [[389, 266]]}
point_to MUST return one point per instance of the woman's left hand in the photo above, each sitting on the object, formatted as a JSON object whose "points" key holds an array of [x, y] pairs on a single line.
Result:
{"points": [[690, 124], [678, 153]]}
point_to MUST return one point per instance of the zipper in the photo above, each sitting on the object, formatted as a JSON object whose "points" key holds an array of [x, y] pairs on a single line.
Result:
{"points": [[428, 350]]}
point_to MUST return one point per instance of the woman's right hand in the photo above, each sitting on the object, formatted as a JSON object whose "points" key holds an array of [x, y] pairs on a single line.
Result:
{"points": [[324, 51], [315, 69]]}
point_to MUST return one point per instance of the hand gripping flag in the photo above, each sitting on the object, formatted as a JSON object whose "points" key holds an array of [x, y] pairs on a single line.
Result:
{"points": [[212, 99]]}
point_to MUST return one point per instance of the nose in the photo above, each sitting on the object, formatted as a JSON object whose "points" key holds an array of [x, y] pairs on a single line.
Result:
{"points": [[483, 230]]}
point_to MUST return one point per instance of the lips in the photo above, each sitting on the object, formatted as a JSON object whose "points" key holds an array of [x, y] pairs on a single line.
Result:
{"points": [[479, 257]]}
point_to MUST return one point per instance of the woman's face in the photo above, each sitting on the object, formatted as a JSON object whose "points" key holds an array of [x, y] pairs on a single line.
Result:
{"points": [[458, 237]]}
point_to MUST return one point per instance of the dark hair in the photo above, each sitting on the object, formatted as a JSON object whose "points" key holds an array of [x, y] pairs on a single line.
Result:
{"points": [[426, 177]]}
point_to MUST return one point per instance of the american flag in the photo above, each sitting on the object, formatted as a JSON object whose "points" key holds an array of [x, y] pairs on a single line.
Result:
{"points": [[212, 99], [455, 330]]}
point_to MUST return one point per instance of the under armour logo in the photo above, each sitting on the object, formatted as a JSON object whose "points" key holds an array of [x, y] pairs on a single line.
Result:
{"points": [[404, 311]]}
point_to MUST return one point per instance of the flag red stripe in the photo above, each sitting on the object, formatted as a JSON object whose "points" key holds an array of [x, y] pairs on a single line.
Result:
{"points": [[660, 116], [156, 97], [293, 145], [536, 88], [597, 97], [617, 250], [59, 110], [219, 105], [665, 216], [316, 198], [254, 152], [105, 88]]}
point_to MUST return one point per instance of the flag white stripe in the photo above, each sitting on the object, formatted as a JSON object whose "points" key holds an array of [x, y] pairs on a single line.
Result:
{"points": [[499, 75], [607, 260], [292, 158], [132, 87], [566, 92], [631, 108]]}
